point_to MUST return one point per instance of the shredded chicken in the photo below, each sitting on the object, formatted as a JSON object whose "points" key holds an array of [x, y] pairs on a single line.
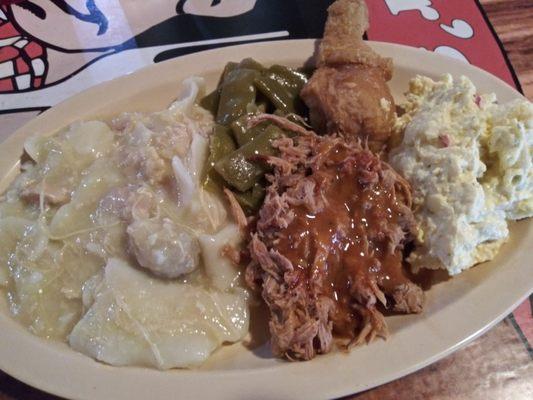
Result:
{"points": [[231, 253], [236, 209], [53, 195]]}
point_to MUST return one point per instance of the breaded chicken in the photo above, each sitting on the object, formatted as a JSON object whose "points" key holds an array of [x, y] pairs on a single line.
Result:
{"points": [[348, 93]]}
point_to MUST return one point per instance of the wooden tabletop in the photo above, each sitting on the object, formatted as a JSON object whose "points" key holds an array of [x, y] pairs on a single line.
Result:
{"points": [[498, 365], [513, 22]]}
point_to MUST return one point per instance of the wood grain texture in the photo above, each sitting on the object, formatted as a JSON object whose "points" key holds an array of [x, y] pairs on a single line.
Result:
{"points": [[513, 22], [495, 366]]}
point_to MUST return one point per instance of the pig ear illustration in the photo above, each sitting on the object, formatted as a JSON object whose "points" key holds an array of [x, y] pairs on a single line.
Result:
{"points": [[451, 52], [425, 7], [459, 28]]}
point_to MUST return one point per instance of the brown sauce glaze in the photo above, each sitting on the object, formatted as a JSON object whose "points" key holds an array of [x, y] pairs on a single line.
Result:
{"points": [[346, 247]]}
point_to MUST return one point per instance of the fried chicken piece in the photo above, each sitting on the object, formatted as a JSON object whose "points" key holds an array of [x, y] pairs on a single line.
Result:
{"points": [[348, 93], [343, 38]]}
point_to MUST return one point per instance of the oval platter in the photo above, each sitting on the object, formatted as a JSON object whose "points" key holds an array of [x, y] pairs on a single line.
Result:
{"points": [[457, 310]]}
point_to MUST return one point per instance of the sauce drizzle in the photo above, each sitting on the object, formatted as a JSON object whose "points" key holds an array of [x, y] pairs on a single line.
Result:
{"points": [[355, 241]]}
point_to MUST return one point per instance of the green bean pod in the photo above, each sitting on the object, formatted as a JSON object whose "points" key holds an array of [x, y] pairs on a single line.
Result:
{"points": [[250, 63], [221, 144], [239, 169], [237, 94], [252, 199], [282, 86], [211, 100], [289, 77], [282, 98], [247, 88], [242, 133]]}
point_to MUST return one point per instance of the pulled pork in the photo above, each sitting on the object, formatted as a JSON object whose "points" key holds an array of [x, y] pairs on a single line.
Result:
{"points": [[327, 245]]}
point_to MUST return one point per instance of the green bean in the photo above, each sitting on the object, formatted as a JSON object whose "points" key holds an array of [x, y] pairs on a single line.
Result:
{"points": [[227, 69], [210, 101], [252, 199], [297, 120], [221, 144], [236, 95], [242, 133], [289, 77], [282, 87], [280, 96], [238, 128], [248, 88], [289, 83], [250, 63], [238, 170]]}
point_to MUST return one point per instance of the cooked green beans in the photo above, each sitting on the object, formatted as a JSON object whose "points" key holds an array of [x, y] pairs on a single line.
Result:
{"points": [[282, 87], [220, 145], [242, 133], [236, 151], [244, 167], [237, 95], [252, 199]]}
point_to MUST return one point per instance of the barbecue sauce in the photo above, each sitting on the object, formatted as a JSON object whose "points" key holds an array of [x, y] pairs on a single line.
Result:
{"points": [[348, 244]]}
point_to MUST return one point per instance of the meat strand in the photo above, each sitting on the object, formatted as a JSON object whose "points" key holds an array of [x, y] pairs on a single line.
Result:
{"points": [[327, 246]]}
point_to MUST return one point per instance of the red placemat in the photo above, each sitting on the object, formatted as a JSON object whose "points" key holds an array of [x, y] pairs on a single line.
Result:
{"points": [[457, 28]]}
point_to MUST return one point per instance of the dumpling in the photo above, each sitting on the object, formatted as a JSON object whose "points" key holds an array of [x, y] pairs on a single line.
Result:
{"points": [[61, 160], [45, 277], [94, 207], [90, 140], [12, 229], [76, 215], [166, 249], [137, 320]]}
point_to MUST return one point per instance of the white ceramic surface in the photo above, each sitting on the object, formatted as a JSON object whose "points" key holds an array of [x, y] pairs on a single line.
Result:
{"points": [[457, 310]]}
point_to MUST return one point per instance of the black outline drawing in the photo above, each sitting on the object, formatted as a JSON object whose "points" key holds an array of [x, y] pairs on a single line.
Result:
{"points": [[267, 15], [168, 31]]}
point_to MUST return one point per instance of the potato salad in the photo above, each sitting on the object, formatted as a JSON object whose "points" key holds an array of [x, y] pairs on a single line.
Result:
{"points": [[469, 161]]}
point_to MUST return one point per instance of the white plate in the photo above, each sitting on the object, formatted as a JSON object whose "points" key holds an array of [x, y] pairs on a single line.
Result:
{"points": [[457, 310]]}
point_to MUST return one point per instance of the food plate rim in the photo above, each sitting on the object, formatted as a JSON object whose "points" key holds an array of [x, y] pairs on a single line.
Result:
{"points": [[286, 380]]}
